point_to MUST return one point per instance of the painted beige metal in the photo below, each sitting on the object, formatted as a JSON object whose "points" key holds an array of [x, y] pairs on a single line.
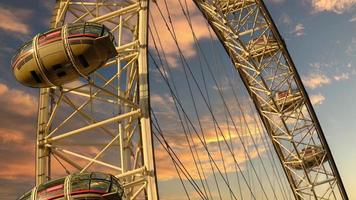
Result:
{"points": [[259, 54], [64, 55], [103, 123]]}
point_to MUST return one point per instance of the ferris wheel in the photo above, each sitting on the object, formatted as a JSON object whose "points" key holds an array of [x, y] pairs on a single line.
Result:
{"points": [[96, 128]]}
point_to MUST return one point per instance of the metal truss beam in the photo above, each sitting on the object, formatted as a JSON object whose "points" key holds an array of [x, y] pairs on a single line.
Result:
{"points": [[102, 122], [259, 54]]}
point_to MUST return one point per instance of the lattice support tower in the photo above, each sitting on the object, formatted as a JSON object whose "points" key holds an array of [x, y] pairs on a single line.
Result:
{"points": [[102, 122]]}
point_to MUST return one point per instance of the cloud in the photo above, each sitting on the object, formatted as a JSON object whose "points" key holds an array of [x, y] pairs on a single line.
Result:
{"points": [[315, 80], [351, 48], [341, 77], [337, 6], [294, 28], [320, 65], [166, 170], [180, 146], [163, 106], [277, 1], [17, 101], [11, 136], [299, 30], [18, 153], [317, 99], [353, 19], [182, 30], [286, 19], [13, 189], [12, 20], [168, 119]]}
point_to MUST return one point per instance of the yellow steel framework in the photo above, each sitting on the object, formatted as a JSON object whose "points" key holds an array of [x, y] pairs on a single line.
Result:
{"points": [[259, 54], [102, 122]]}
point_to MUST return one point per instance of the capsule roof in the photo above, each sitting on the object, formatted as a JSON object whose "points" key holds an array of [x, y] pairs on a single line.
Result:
{"points": [[75, 28], [83, 184], [312, 156], [64, 54]]}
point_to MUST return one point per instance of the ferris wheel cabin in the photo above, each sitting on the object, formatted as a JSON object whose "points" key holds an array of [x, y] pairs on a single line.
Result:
{"points": [[286, 101], [262, 47], [228, 6], [312, 156], [93, 186], [63, 54]]}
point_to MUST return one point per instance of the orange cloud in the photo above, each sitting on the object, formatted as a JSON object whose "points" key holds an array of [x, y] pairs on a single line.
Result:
{"points": [[12, 20], [337, 6], [18, 153], [317, 99], [17, 101], [11, 136], [15, 171], [178, 143], [181, 28]]}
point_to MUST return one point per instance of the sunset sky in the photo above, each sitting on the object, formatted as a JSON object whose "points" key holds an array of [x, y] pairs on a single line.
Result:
{"points": [[320, 36]]}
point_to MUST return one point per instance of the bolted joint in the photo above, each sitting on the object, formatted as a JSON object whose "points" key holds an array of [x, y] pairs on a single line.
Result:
{"points": [[150, 173], [144, 4]]}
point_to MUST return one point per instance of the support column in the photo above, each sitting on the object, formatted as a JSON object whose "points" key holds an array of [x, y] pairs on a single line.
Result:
{"points": [[42, 153], [145, 121]]}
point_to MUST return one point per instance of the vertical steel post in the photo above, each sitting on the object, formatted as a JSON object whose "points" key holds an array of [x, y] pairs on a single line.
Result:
{"points": [[42, 153], [136, 70], [42, 168], [145, 121]]}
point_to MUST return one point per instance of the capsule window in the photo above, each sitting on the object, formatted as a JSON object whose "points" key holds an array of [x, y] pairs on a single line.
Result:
{"points": [[61, 74], [115, 186], [27, 47], [24, 61], [28, 58], [100, 176], [56, 67], [79, 185], [74, 30], [93, 30], [24, 48], [83, 61], [99, 185], [35, 77], [20, 64], [105, 32], [27, 196]]}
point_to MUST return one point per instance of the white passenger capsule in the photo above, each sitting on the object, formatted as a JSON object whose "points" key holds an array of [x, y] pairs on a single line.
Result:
{"points": [[264, 46], [64, 54], [94, 186], [312, 156], [230, 6], [285, 101]]}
